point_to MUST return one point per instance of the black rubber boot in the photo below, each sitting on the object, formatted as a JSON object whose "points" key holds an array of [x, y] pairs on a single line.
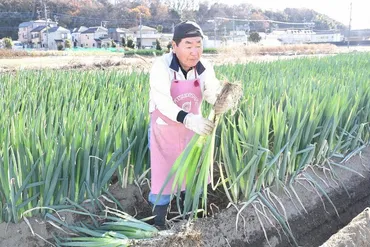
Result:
{"points": [[160, 212]]}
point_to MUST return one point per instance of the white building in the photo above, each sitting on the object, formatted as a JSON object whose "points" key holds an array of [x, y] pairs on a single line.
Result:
{"points": [[37, 36], [95, 37], [56, 36], [25, 28], [305, 36], [144, 35], [76, 36]]}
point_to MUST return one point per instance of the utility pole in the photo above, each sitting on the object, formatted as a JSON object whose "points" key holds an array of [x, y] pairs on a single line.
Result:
{"points": [[233, 26], [215, 30], [140, 33], [350, 23], [47, 27]]}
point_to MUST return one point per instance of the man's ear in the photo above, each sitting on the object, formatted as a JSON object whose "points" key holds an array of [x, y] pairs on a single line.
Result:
{"points": [[174, 46]]}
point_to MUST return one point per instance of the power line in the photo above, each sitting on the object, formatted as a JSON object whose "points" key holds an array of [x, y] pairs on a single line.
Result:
{"points": [[271, 21]]}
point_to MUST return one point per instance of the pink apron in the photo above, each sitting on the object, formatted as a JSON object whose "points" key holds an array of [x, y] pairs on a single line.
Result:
{"points": [[169, 138]]}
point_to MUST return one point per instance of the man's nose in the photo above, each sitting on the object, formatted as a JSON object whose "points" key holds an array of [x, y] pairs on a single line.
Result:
{"points": [[194, 51]]}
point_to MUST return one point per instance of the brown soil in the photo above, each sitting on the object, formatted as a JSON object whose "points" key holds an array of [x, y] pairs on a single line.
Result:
{"points": [[20, 235], [355, 234]]}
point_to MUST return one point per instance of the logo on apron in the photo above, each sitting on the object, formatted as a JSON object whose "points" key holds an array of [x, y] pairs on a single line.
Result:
{"points": [[186, 106]]}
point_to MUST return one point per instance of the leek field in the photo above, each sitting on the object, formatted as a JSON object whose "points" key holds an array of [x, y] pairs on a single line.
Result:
{"points": [[63, 134]]}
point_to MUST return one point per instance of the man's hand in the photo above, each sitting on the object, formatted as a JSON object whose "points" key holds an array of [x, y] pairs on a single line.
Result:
{"points": [[198, 124]]}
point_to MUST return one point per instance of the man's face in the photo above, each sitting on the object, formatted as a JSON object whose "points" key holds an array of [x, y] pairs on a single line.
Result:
{"points": [[188, 51]]}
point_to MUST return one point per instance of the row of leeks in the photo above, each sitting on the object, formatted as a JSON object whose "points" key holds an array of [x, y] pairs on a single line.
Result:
{"points": [[295, 114], [64, 135], [311, 113]]}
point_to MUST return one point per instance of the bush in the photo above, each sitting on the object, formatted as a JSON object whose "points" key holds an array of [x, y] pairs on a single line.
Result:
{"points": [[158, 45], [113, 44], [144, 52], [254, 37], [67, 43], [169, 46], [160, 28], [123, 41], [60, 47], [210, 51], [130, 44], [8, 42]]}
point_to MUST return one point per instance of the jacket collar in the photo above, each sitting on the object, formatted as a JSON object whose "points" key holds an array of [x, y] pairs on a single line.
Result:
{"points": [[175, 65]]}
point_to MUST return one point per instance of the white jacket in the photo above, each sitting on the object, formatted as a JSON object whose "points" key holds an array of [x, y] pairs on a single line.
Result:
{"points": [[161, 76]]}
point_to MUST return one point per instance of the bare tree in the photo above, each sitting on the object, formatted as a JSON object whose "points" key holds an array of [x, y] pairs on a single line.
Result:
{"points": [[181, 5]]}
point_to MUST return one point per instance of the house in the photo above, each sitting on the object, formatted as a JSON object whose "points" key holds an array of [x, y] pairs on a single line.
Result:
{"points": [[95, 37], [25, 28], [54, 38], [36, 36], [144, 35], [76, 36], [117, 34]]}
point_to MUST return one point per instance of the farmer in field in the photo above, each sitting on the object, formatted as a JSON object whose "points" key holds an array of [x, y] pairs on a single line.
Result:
{"points": [[179, 82]]}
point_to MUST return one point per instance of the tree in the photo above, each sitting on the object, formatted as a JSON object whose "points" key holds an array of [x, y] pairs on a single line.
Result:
{"points": [[130, 43], [140, 10], [260, 25], [113, 44], [158, 45], [169, 46], [159, 28], [158, 11], [254, 37], [67, 43], [8, 42], [180, 5]]}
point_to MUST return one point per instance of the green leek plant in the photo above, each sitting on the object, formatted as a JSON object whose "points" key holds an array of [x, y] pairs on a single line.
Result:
{"points": [[65, 134], [114, 228], [194, 166]]}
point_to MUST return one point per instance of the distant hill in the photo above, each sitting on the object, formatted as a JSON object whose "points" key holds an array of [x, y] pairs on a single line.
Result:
{"points": [[74, 13]]}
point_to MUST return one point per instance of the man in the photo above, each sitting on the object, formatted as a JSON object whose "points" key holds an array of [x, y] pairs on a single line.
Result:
{"points": [[179, 81]]}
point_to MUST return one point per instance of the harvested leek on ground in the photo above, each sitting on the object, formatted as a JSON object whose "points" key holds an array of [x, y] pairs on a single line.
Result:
{"points": [[195, 164], [117, 229]]}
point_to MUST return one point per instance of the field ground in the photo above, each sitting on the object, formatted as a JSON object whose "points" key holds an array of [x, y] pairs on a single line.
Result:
{"points": [[356, 233], [119, 61]]}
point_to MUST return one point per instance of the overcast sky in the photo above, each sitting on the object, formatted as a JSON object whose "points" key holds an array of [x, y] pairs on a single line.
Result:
{"points": [[336, 9]]}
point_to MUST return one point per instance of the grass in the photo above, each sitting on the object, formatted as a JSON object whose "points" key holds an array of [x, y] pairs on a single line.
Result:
{"points": [[253, 50]]}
